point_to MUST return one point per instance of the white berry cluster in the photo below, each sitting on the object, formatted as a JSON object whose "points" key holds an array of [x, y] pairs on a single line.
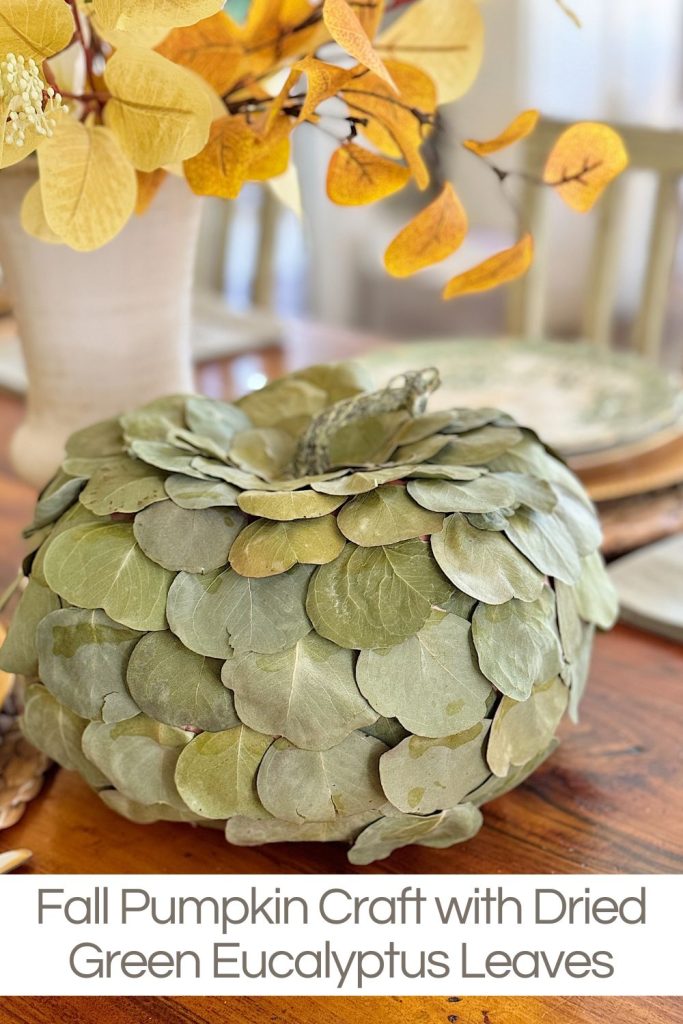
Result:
{"points": [[27, 103]]}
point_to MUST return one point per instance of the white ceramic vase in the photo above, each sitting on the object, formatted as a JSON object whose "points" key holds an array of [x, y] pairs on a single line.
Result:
{"points": [[101, 332]]}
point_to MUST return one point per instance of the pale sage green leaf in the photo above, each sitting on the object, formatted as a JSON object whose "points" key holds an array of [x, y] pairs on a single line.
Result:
{"points": [[306, 785], [495, 787], [517, 643], [459, 604], [153, 421], [463, 420], [422, 427], [364, 481], [568, 620], [485, 494], [575, 673], [306, 693], [188, 492], [187, 540], [138, 757], [126, 486], [178, 687], [58, 732], [212, 612], [431, 682], [219, 421], [54, 501], [529, 457], [496, 521], [77, 515], [267, 548], [266, 451], [434, 471], [216, 773], [166, 457], [369, 441], [579, 519], [145, 814], [99, 441], [101, 566], [596, 596], [479, 447], [421, 451], [337, 380], [484, 564], [19, 652], [530, 491], [282, 399], [423, 775], [376, 597], [284, 506], [86, 467], [201, 466], [241, 831], [544, 539], [83, 657], [386, 515], [522, 729], [438, 831]]}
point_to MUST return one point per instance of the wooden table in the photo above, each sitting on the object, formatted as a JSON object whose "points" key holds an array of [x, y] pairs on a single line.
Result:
{"points": [[610, 800]]}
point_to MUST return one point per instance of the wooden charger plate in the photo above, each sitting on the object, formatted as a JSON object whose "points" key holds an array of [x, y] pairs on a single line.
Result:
{"points": [[651, 470]]}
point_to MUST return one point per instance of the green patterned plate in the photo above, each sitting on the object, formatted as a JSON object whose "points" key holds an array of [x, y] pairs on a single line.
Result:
{"points": [[579, 398]]}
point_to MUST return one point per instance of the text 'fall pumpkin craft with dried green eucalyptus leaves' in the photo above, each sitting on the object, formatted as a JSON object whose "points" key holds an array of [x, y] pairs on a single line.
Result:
{"points": [[314, 614]]}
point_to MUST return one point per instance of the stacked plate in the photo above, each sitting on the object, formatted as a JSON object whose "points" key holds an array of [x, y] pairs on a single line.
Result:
{"points": [[616, 418]]}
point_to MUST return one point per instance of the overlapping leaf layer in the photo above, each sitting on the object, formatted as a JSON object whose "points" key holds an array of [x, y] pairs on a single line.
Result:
{"points": [[366, 651]]}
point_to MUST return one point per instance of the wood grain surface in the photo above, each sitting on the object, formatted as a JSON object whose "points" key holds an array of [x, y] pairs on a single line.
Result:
{"points": [[610, 800]]}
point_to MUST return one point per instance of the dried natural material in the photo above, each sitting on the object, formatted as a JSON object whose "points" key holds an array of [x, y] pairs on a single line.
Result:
{"points": [[22, 768], [318, 613]]}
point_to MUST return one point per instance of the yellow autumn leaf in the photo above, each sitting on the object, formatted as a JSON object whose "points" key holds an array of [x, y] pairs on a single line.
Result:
{"points": [[344, 26], [143, 15], [584, 160], [430, 237], [397, 125], [35, 28], [518, 129], [149, 183], [222, 167], [33, 217], [88, 185], [212, 49], [270, 157], [500, 269], [357, 176], [445, 38], [159, 112], [322, 82]]}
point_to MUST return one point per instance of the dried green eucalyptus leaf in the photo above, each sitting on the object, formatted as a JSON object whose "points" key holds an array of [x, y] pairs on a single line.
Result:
{"points": [[596, 596], [305, 785], [215, 613], [485, 494], [144, 814], [99, 441], [216, 772], [521, 730], [124, 486], [495, 787], [58, 732], [83, 657], [178, 687], [19, 652], [375, 597], [575, 673], [425, 426], [219, 421], [153, 421], [438, 831], [463, 420], [188, 492], [364, 481], [543, 538], [431, 682], [484, 564], [420, 451], [282, 399], [496, 521], [266, 451], [55, 500], [211, 469], [568, 620], [529, 491], [306, 693], [517, 643], [459, 604], [266, 548], [166, 457], [285, 506], [388, 730], [479, 447], [101, 566], [423, 775], [369, 441], [138, 757], [579, 519], [241, 831], [77, 515], [386, 515], [337, 380], [187, 540]]}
